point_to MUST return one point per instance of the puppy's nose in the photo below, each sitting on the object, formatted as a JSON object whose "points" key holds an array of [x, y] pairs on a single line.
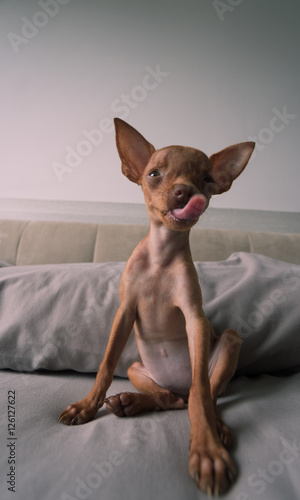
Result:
{"points": [[183, 193]]}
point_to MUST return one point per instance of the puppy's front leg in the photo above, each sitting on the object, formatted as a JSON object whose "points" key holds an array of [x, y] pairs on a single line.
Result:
{"points": [[85, 410], [209, 463]]}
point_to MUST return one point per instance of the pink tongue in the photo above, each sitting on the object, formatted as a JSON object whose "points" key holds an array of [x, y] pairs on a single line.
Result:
{"points": [[192, 210]]}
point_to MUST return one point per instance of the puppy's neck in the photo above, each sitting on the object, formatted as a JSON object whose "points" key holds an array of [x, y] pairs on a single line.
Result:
{"points": [[166, 245]]}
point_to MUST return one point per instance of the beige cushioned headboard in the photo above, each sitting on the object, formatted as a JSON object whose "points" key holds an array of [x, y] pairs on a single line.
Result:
{"points": [[47, 242]]}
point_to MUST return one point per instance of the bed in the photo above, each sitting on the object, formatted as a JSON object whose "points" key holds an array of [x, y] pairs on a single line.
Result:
{"points": [[60, 268]]}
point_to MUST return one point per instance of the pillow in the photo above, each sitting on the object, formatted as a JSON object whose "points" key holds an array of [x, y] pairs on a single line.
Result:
{"points": [[58, 317], [259, 297]]}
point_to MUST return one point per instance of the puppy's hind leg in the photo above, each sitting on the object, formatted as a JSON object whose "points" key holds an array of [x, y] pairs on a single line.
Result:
{"points": [[151, 396]]}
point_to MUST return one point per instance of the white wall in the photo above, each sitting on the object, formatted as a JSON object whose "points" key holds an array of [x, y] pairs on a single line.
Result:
{"points": [[225, 71]]}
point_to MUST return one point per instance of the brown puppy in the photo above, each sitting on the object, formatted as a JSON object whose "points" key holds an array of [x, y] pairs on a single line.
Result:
{"points": [[182, 359]]}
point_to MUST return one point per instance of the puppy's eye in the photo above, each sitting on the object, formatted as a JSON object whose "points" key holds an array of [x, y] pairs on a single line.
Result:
{"points": [[154, 173], [208, 180]]}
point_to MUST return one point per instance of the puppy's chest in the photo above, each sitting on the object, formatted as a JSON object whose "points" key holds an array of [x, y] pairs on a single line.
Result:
{"points": [[158, 313], [157, 291]]}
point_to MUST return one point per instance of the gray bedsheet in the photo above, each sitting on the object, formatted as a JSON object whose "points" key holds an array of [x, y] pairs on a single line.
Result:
{"points": [[144, 457]]}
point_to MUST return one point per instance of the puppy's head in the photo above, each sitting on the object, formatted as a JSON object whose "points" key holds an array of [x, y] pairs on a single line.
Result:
{"points": [[177, 181]]}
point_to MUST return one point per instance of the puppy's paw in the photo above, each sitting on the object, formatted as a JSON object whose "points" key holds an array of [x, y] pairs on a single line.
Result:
{"points": [[79, 413], [129, 403], [132, 403], [211, 468]]}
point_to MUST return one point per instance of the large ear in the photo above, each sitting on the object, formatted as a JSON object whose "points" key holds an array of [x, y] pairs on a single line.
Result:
{"points": [[134, 151], [229, 163]]}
